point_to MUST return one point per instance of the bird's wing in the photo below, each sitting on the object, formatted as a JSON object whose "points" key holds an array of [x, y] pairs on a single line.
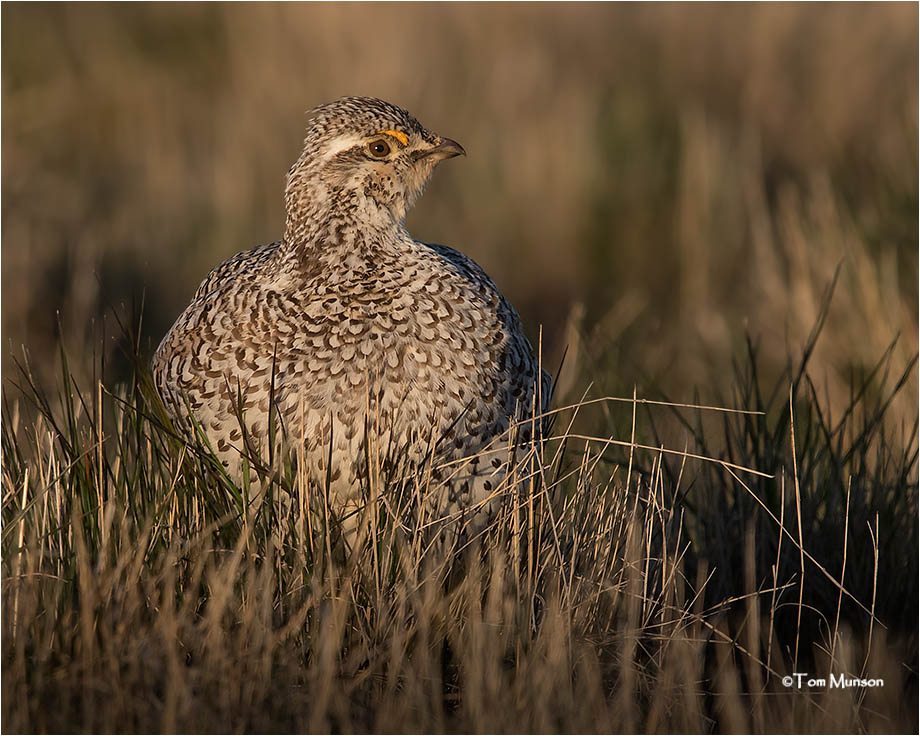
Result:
{"points": [[235, 268]]}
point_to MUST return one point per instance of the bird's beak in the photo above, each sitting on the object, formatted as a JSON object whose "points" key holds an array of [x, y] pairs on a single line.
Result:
{"points": [[445, 148]]}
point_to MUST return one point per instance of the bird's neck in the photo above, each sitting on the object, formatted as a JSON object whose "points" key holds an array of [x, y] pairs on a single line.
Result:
{"points": [[332, 233]]}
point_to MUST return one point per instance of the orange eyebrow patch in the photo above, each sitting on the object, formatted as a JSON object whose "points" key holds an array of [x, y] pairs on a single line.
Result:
{"points": [[401, 137]]}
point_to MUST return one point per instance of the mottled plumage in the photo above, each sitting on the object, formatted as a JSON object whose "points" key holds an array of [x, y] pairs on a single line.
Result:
{"points": [[359, 332]]}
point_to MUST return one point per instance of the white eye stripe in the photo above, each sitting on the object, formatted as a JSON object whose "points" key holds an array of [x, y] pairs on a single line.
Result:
{"points": [[341, 144]]}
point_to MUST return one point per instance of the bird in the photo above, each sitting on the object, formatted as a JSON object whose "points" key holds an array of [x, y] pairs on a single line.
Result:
{"points": [[348, 338]]}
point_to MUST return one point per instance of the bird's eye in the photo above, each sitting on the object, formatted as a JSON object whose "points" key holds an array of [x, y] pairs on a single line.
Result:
{"points": [[379, 149]]}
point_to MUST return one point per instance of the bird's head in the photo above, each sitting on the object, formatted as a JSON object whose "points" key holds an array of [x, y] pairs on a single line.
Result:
{"points": [[366, 157]]}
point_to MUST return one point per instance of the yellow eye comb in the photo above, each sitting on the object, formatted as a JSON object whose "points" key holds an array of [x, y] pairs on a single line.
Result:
{"points": [[401, 137]]}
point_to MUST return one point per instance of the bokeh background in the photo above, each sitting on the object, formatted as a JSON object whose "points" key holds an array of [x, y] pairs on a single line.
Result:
{"points": [[650, 183]]}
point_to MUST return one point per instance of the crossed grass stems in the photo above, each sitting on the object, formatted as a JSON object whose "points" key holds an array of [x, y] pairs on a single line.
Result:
{"points": [[573, 531]]}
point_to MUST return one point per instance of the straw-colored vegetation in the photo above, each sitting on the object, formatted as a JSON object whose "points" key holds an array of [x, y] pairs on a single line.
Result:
{"points": [[711, 205]]}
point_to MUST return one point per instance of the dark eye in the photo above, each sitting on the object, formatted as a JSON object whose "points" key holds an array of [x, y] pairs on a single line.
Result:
{"points": [[379, 149]]}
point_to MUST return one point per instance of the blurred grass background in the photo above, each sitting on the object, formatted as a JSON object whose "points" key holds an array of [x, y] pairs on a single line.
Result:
{"points": [[648, 182]]}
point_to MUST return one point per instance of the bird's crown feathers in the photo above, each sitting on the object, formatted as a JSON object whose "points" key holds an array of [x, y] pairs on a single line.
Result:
{"points": [[363, 116]]}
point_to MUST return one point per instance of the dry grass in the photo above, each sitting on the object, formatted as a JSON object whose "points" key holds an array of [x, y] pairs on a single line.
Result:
{"points": [[656, 589]]}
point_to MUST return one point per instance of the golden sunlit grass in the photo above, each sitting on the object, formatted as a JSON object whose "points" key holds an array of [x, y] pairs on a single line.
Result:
{"points": [[652, 589]]}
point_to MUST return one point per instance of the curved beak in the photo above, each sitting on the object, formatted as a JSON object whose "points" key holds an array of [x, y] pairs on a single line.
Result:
{"points": [[445, 148]]}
